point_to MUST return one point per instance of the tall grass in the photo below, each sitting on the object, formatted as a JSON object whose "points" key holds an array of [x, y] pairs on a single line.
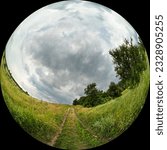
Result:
{"points": [[40, 119], [112, 118]]}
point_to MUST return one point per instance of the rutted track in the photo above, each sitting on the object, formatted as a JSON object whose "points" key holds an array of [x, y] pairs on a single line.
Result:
{"points": [[53, 140], [89, 130], [72, 133], [95, 136]]}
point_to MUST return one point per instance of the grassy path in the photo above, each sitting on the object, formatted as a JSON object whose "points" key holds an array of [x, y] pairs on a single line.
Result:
{"points": [[53, 140], [74, 135]]}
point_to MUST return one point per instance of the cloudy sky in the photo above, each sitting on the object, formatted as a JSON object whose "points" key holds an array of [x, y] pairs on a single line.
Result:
{"points": [[60, 49]]}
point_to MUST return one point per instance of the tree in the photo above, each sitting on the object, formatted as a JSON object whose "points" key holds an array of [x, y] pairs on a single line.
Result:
{"points": [[114, 90], [90, 89], [75, 102], [92, 93], [121, 85], [130, 61], [94, 97]]}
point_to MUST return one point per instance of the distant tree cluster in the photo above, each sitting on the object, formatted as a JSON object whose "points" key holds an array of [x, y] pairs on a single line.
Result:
{"points": [[130, 62], [94, 97]]}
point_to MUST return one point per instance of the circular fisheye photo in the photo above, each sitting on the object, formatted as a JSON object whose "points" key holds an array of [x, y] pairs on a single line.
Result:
{"points": [[75, 75]]}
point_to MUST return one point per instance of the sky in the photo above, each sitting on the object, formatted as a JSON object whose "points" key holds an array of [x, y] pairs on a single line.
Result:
{"points": [[61, 48]]}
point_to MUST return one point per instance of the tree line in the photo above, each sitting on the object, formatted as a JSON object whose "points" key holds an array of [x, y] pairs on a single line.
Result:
{"points": [[94, 96], [130, 61]]}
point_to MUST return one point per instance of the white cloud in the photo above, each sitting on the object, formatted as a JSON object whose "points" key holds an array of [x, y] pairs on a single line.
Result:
{"points": [[61, 48]]}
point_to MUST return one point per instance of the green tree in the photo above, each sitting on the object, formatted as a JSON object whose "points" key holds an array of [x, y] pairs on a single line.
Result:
{"points": [[90, 89], [75, 102], [130, 61], [114, 90], [92, 93], [121, 85]]}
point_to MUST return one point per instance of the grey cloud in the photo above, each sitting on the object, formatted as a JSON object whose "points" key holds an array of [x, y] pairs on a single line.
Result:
{"points": [[71, 68], [99, 7], [47, 92], [63, 5], [27, 69], [79, 68], [60, 5], [62, 57]]}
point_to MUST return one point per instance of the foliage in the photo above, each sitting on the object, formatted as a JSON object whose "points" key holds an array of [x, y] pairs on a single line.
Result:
{"points": [[110, 119], [114, 90], [94, 97], [130, 61]]}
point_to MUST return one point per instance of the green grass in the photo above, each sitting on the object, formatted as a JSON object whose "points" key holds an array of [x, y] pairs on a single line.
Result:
{"points": [[42, 120], [75, 136], [112, 118]]}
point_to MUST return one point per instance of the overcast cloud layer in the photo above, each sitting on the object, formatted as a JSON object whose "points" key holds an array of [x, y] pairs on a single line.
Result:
{"points": [[60, 49]]}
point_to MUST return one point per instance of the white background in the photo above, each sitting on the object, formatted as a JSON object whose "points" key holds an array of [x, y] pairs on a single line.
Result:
{"points": [[157, 142]]}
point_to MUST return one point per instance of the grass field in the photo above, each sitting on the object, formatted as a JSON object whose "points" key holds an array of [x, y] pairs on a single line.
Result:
{"points": [[39, 118], [73, 127], [112, 118]]}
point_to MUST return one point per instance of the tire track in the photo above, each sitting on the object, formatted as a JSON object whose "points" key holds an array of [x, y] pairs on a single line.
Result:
{"points": [[89, 130], [58, 133], [67, 114], [71, 137], [84, 125]]}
